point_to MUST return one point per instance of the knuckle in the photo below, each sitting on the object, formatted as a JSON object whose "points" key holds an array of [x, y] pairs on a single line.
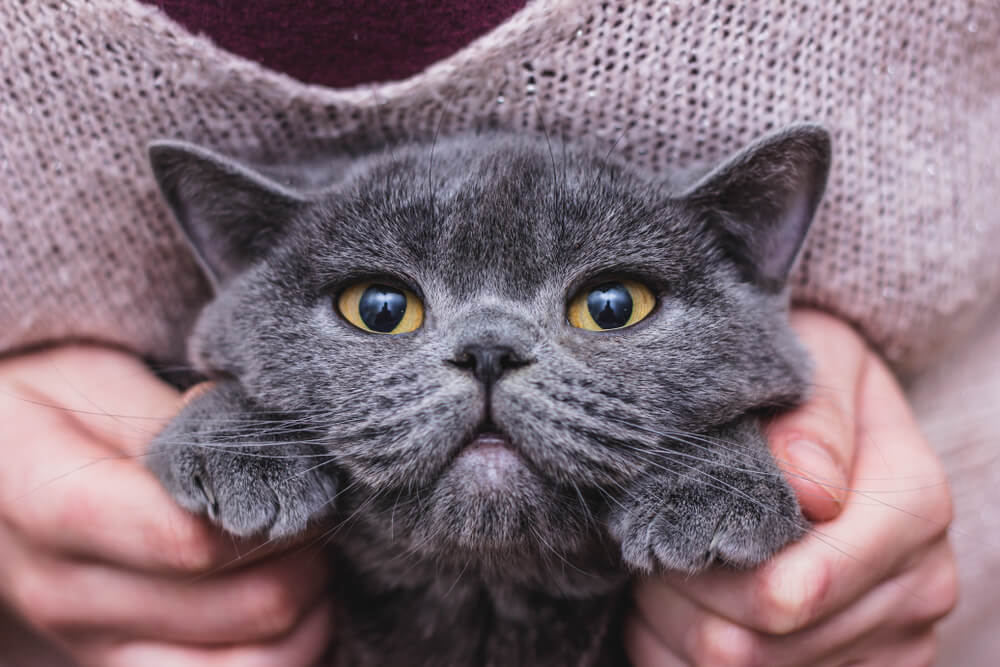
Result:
{"points": [[185, 548], [21, 590], [721, 644], [830, 413], [935, 505], [9, 517], [942, 512], [789, 597], [823, 419], [32, 595], [272, 607], [29, 519], [941, 593], [76, 509]]}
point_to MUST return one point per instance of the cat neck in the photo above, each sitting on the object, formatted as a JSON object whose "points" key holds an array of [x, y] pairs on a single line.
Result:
{"points": [[395, 606], [462, 619]]}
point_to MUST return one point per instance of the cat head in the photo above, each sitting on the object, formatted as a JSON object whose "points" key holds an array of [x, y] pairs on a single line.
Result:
{"points": [[488, 334]]}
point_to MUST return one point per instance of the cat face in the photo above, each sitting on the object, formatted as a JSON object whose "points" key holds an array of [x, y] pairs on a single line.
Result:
{"points": [[491, 413]]}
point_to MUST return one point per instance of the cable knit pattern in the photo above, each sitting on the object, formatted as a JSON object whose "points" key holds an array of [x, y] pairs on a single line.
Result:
{"points": [[904, 244]]}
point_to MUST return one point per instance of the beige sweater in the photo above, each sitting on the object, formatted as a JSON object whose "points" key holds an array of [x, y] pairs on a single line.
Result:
{"points": [[906, 244]]}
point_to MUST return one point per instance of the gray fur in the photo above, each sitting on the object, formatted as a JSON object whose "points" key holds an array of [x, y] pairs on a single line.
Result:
{"points": [[640, 448]]}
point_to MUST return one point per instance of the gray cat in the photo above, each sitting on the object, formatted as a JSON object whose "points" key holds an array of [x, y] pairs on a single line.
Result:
{"points": [[504, 380]]}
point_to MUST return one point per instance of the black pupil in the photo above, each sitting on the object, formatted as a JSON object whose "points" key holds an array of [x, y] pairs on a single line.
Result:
{"points": [[610, 305], [382, 308]]}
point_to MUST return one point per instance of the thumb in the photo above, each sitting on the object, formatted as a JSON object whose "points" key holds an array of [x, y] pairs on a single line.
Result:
{"points": [[815, 444]]}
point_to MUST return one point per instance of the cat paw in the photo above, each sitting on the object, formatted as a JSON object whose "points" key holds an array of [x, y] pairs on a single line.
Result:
{"points": [[240, 481], [693, 526], [247, 492]]}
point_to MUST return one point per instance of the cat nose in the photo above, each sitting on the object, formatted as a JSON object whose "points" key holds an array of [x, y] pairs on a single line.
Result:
{"points": [[488, 362]]}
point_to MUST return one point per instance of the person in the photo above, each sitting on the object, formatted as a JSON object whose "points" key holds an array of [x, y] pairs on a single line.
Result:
{"points": [[86, 549]]}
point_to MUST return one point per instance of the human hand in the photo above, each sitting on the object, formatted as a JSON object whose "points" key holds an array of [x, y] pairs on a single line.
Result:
{"points": [[867, 584], [98, 557]]}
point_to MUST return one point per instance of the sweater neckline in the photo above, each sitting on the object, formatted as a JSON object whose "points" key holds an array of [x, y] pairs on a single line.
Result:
{"points": [[341, 44], [204, 55]]}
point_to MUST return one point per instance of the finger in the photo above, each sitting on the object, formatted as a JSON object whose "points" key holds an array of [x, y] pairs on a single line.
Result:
{"points": [[900, 502], [896, 608], [302, 648], [111, 394], [815, 443], [894, 611], [892, 614], [690, 633], [196, 391], [910, 650], [644, 648], [252, 605], [62, 492]]}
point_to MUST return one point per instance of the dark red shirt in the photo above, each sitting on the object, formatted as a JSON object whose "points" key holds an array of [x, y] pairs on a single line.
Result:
{"points": [[341, 43]]}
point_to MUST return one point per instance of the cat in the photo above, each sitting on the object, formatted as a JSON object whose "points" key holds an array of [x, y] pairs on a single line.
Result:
{"points": [[503, 381]]}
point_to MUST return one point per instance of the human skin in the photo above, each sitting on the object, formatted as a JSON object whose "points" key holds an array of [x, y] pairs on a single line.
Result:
{"points": [[867, 585], [97, 557]]}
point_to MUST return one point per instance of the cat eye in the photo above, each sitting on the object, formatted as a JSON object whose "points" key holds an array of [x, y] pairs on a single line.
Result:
{"points": [[611, 305], [380, 308]]}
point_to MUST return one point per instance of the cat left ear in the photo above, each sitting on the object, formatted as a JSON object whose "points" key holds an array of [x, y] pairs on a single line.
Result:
{"points": [[764, 198], [230, 213]]}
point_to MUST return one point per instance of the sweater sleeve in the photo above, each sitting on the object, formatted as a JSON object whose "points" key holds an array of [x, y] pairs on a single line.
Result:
{"points": [[904, 245]]}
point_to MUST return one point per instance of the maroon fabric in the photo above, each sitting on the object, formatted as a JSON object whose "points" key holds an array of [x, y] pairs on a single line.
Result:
{"points": [[341, 43]]}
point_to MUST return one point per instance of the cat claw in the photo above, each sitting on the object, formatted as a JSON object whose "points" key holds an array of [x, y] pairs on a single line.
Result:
{"points": [[211, 504]]}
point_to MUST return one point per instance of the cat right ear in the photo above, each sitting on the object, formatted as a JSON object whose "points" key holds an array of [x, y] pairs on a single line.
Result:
{"points": [[230, 213], [763, 199]]}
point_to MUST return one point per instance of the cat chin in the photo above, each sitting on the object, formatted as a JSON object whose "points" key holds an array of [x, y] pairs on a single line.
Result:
{"points": [[488, 499]]}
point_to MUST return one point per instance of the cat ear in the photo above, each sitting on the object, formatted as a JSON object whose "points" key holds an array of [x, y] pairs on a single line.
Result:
{"points": [[764, 198], [230, 213]]}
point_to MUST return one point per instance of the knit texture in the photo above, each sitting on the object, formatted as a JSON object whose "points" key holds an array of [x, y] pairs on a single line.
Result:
{"points": [[904, 244]]}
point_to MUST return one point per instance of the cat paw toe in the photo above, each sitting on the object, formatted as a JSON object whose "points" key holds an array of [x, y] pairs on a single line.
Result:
{"points": [[750, 536], [246, 492], [270, 496], [674, 536], [245, 507], [658, 541]]}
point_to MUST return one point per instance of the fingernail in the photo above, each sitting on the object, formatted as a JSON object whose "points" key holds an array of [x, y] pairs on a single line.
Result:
{"points": [[814, 461], [194, 392]]}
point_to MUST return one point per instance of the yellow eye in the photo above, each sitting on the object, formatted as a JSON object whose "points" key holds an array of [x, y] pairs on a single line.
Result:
{"points": [[381, 309], [611, 305]]}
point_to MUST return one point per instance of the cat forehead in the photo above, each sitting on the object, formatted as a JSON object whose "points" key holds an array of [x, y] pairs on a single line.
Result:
{"points": [[507, 214]]}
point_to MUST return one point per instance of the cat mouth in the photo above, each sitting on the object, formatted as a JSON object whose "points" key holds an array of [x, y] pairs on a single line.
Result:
{"points": [[490, 458], [488, 436]]}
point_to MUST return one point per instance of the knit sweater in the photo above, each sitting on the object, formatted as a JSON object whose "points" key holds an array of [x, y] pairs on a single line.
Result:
{"points": [[904, 245]]}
